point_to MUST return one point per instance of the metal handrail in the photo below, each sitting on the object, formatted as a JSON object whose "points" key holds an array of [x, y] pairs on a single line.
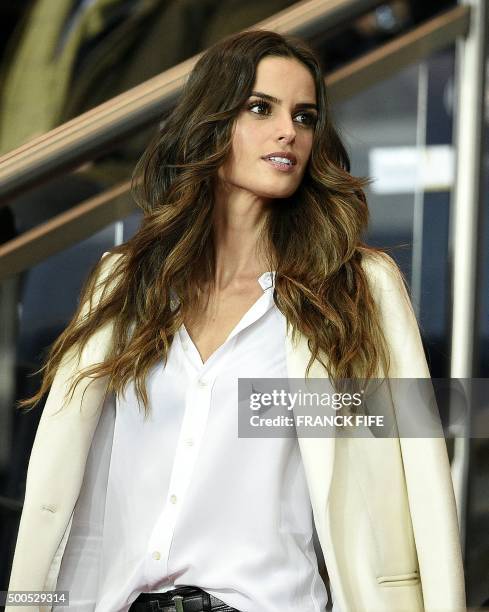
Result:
{"points": [[83, 220], [386, 60], [79, 139]]}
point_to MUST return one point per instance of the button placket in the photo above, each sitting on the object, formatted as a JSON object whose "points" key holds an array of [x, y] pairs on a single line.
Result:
{"points": [[185, 455], [193, 425], [161, 538], [197, 404]]}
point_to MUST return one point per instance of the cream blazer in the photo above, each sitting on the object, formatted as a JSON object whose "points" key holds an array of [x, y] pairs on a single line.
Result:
{"points": [[384, 508]]}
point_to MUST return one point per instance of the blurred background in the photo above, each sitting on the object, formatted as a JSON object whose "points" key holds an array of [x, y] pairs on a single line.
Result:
{"points": [[84, 84]]}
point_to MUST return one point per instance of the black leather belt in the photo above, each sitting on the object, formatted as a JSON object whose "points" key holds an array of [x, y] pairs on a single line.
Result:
{"points": [[180, 599]]}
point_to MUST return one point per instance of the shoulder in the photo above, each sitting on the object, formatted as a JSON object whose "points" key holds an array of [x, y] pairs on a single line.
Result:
{"points": [[107, 268], [385, 279], [396, 316], [108, 262], [390, 292], [380, 267], [101, 280]]}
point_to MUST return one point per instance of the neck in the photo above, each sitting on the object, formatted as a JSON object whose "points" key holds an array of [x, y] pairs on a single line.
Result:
{"points": [[239, 218]]}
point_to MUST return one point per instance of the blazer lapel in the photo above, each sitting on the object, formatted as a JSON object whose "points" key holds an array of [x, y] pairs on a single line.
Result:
{"points": [[318, 456]]}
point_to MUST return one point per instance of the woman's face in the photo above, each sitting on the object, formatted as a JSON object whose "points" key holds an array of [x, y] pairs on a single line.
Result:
{"points": [[273, 134]]}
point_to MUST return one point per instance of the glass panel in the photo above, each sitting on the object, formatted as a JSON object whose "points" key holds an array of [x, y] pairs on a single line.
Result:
{"points": [[385, 129]]}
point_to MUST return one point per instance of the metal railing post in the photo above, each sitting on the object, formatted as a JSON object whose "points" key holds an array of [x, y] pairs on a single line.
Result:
{"points": [[9, 300], [466, 226]]}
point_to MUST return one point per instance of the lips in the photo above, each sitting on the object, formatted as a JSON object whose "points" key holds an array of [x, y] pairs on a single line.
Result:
{"points": [[280, 157]]}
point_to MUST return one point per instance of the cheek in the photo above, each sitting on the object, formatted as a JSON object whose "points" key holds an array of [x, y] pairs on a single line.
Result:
{"points": [[237, 150], [307, 151], [246, 142], [308, 142]]}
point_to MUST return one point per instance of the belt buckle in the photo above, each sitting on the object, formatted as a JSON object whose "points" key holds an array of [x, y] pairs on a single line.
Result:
{"points": [[178, 599]]}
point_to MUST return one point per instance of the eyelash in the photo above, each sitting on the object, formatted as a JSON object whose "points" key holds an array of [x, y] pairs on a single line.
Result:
{"points": [[311, 117]]}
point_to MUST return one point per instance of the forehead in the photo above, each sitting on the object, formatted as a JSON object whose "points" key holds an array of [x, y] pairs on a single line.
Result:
{"points": [[285, 77]]}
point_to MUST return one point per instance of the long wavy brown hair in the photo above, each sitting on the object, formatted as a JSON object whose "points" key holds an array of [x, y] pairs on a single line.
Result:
{"points": [[313, 239]]}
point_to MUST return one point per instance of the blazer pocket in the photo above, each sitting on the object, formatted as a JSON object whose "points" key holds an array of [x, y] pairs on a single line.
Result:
{"points": [[409, 579]]}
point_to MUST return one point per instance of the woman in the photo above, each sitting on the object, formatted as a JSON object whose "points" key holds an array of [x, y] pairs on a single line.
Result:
{"points": [[247, 181]]}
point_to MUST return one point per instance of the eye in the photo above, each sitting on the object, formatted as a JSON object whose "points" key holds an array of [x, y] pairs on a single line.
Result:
{"points": [[308, 119], [262, 105]]}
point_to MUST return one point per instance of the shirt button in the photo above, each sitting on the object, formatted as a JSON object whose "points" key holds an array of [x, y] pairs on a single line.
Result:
{"points": [[202, 383], [185, 346], [189, 442], [156, 555], [173, 499]]}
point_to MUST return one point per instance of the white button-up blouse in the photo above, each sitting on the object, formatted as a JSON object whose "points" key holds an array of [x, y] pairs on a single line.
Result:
{"points": [[189, 502]]}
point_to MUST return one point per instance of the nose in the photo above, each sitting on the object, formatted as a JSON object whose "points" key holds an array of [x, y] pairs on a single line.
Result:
{"points": [[286, 130]]}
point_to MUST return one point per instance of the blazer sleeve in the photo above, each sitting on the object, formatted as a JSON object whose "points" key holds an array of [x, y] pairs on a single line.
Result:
{"points": [[426, 465], [58, 457]]}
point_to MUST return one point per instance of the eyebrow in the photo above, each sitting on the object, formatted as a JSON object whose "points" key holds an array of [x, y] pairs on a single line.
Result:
{"points": [[260, 94]]}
